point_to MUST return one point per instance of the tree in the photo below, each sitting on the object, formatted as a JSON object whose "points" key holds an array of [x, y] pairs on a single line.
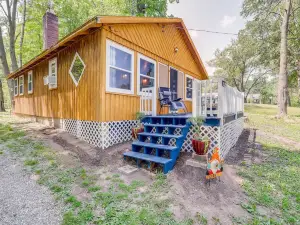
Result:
{"points": [[9, 9], [280, 10], [240, 64]]}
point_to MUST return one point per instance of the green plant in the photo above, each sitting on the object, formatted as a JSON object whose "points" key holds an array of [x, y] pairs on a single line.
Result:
{"points": [[139, 116], [197, 122]]}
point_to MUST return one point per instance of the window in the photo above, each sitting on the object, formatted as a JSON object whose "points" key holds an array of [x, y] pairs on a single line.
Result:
{"points": [[52, 77], [77, 68], [21, 85], [146, 72], [176, 83], [30, 82], [119, 71], [189, 87], [16, 86]]}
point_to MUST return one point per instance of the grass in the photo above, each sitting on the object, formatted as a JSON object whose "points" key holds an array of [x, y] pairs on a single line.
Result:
{"points": [[262, 117], [274, 184], [121, 203]]}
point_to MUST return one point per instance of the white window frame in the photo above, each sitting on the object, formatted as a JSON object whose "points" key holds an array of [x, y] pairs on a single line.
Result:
{"points": [[16, 87], [127, 50], [70, 70], [30, 74], [21, 77], [140, 56], [51, 85], [185, 82]]}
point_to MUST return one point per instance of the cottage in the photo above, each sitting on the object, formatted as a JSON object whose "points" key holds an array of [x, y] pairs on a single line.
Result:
{"points": [[93, 81]]}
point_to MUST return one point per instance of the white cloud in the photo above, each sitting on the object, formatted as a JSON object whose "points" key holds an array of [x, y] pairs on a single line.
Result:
{"points": [[227, 21], [193, 33]]}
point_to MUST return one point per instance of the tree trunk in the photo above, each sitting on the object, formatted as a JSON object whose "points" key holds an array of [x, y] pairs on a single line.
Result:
{"points": [[283, 81], [12, 36], [2, 109], [5, 67], [298, 73], [22, 34]]}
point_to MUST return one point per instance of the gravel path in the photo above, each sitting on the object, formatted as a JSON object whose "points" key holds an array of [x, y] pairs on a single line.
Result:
{"points": [[22, 200]]}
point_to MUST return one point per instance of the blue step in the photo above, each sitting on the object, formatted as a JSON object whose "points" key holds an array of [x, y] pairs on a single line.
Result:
{"points": [[165, 125], [151, 145], [147, 157], [160, 135], [153, 152]]}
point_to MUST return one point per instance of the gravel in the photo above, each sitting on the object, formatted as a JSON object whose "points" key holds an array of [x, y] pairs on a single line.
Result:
{"points": [[22, 200]]}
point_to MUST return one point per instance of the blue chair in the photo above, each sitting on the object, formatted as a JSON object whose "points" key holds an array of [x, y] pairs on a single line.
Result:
{"points": [[166, 100]]}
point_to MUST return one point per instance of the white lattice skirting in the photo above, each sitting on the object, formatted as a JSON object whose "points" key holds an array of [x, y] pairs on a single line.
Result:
{"points": [[106, 134], [224, 137], [100, 134]]}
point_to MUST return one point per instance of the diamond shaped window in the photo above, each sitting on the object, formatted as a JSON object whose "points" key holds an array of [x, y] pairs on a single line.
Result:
{"points": [[77, 69]]}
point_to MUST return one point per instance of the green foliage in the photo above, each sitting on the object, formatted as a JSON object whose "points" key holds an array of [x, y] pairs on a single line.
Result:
{"points": [[30, 162]]}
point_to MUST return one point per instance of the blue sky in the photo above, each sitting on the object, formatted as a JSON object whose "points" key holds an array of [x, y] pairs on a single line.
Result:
{"points": [[216, 15]]}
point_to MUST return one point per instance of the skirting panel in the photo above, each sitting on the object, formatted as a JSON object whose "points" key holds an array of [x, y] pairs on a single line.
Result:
{"points": [[106, 134], [100, 134], [230, 133]]}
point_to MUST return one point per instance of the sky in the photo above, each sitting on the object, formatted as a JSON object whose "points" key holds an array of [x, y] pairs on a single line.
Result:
{"points": [[214, 15]]}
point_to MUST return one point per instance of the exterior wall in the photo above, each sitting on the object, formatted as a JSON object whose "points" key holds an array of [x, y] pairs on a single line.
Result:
{"points": [[66, 101], [146, 40], [90, 101]]}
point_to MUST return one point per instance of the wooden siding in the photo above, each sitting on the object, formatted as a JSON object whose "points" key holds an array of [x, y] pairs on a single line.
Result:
{"points": [[124, 107], [90, 100], [67, 100]]}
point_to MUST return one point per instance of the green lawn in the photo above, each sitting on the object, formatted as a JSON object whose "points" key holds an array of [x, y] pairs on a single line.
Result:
{"points": [[262, 117], [273, 185]]}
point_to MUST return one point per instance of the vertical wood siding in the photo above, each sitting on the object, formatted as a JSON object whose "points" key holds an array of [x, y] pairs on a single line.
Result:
{"points": [[90, 100], [67, 100]]}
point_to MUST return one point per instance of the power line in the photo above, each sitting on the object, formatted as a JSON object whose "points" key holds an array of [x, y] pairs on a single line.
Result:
{"points": [[214, 32]]}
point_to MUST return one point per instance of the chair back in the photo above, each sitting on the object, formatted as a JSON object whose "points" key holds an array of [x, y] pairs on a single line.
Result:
{"points": [[164, 93]]}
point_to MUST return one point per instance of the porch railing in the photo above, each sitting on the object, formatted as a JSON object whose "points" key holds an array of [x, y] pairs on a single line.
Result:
{"points": [[215, 98], [148, 101]]}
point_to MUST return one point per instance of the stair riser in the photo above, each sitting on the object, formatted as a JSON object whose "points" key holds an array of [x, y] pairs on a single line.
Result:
{"points": [[166, 121]]}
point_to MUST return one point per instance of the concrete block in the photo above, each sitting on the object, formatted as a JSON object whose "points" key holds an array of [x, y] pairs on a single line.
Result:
{"points": [[128, 169]]}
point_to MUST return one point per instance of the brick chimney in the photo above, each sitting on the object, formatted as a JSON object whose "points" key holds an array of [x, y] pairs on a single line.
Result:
{"points": [[50, 27]]}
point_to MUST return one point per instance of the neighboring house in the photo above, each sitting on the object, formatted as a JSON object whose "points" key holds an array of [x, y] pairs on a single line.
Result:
{"points": [[90, 81], [254, 98]]}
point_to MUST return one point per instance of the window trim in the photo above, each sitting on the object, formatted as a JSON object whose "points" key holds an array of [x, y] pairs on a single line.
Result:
{"points": [[132, 72], [22, 76], [141, 56], [185, 82], [16, 87], [70, 70], [49, 71], [30, 74]]}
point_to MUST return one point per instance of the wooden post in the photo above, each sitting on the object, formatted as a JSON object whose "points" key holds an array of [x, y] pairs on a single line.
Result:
{"points": [[220, 100], [195, 98], [154, 101], [210, 100]]}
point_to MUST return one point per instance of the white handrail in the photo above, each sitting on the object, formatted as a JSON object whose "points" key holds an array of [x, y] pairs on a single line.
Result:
{"points": [[226, 99], [148, 101]]}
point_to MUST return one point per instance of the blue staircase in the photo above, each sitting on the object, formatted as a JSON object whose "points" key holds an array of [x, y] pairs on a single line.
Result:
{"points": [[161, 140]]}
